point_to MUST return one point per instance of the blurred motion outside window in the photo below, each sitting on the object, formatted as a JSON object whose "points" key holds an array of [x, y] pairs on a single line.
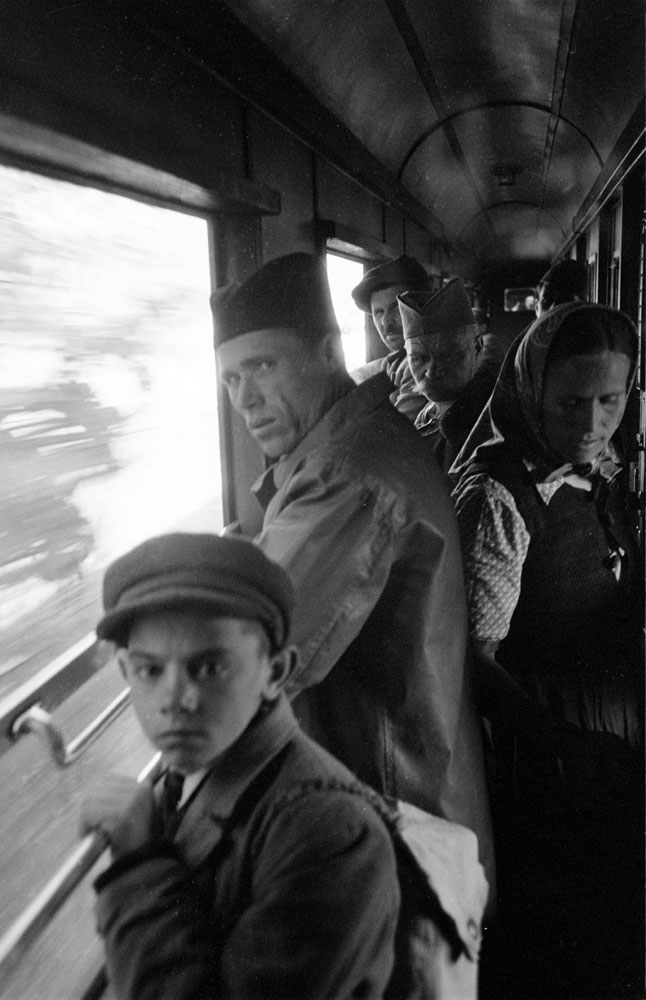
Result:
{"points": [[108, 411], [343, 275]]}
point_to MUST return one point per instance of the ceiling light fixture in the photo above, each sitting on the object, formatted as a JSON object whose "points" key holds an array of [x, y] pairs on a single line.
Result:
{"points": [[506, 173]]}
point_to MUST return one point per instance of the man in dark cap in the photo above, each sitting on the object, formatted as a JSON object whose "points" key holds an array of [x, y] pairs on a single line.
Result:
{"points": [[253, 867], [443, 348], [377, 294], [358, 512], [565, 281]]}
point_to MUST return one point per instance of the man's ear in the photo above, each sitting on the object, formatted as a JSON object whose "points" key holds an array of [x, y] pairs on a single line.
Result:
{"points": [[331, 351], [479, 345], [282, 666]]}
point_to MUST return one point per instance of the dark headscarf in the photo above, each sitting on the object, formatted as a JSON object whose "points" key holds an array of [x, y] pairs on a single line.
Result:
{"points": [[513, 416]]}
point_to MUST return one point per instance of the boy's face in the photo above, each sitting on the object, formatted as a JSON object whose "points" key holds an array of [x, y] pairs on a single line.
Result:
{"points": [[197, 680]]}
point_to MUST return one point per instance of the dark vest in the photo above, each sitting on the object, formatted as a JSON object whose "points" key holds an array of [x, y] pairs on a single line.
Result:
{"points": [[574, 639]]}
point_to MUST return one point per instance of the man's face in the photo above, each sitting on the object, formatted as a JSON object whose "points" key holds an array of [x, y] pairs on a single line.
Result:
{"points": [[386, 315], [278, 383], [584, 398], [443, 363], [197, 681]]}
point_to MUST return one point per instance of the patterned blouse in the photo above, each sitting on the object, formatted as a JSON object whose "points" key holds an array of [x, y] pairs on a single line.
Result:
{"points": [[495, 543]]}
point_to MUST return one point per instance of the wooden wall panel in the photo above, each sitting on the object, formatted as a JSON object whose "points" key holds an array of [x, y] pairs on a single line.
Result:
{"points": [[341, 200], [416, 242], [393, 230], [109, 82], [632, 209], [235, 254], [281, 162]]}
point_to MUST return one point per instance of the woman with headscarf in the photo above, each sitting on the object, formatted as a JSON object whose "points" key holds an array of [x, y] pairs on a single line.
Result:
{"points": [[555, 593]]}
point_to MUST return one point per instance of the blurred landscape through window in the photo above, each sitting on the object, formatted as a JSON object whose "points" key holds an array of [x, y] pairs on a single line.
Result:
{"points": [[108, 410]]}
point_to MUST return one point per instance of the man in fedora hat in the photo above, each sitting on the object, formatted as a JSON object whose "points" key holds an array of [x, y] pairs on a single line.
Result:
{"points": [[377, 294], [254, 867], [443, 348], [358, 513]]}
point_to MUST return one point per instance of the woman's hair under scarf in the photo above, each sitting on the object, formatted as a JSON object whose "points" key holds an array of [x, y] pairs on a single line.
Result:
{"points": [[513, 414]]}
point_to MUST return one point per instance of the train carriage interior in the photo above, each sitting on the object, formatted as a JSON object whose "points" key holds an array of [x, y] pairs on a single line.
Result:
{"points": [[152, 152]]}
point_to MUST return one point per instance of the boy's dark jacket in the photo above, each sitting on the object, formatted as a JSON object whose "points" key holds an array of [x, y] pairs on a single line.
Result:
{"points": [[281, 882]]}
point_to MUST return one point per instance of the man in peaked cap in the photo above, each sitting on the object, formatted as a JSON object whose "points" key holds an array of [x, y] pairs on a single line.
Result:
{"points": [[443, 348], [359, 514], [377, 294], [201, 625]]}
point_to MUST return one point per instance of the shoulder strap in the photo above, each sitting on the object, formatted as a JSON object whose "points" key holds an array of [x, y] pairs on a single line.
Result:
{"points": [[255, 790], [418, 897]]}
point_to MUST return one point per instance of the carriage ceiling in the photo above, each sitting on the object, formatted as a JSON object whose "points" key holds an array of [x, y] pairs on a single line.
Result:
{"points": [[491, 123], [496, 117]]}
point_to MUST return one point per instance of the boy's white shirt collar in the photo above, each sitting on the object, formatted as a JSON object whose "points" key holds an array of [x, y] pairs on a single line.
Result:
{"points": [[191, 781]]}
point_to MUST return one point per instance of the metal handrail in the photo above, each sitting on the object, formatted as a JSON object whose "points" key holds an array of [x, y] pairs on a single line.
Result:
{"points": [[36, 916], [38, 721], [52, 685]]}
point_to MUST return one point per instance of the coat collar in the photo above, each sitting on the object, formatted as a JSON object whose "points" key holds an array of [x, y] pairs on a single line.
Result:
{"points": [[349, 410], [201, 827]]}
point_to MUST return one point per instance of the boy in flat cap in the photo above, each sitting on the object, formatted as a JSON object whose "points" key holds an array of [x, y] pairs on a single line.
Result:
{"points": [[254, 868], [443, 348], [377, 294], [359, 514]]}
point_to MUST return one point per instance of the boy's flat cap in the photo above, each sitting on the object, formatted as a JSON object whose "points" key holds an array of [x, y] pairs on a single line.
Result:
{"points": [[230, 576]]}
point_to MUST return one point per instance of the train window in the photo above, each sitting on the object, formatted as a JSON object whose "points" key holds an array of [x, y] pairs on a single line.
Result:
{"points": [[614, 262], [520, 299], [343, 275], [108, 413], [593, 278]]}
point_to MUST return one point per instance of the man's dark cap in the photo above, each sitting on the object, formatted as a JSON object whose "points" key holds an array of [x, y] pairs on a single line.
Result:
{"points": [[568, 276], [229, 576], [401, 271], [445, 311], [290, 291]]}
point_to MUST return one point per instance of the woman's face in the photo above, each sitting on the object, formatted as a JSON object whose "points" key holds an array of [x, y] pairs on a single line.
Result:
{"points": [[584, 398]]}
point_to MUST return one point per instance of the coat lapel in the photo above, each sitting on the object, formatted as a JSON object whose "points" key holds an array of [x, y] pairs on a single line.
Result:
{"points": [[200, 830]]}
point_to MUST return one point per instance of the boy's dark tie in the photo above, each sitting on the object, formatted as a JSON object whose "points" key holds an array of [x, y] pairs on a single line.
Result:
{"points": [[171, 794]]}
